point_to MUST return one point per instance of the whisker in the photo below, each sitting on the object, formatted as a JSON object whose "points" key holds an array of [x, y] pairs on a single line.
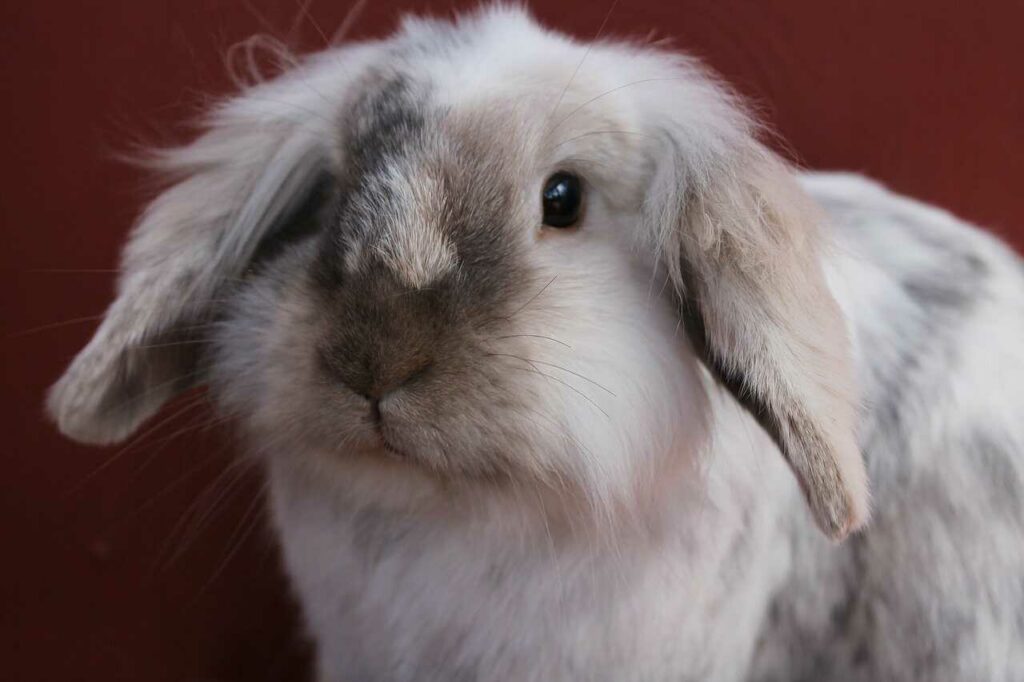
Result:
{"points": [[604, 132], [56, 325], [172, 344], [256, 14], [609, 92], [576, 374], [75, 271], [557, 431], [564, 369], [157, 387], [303, 13], [586, 54], [159, 445], [350, 19], [246, 525], [316, 27], [233, 474], [563, 383], [176, 482], [491, 320], [189, 406], [232, 467], [534, 297], [534, 336]]}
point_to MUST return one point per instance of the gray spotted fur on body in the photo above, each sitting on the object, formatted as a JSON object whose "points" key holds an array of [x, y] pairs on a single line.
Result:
{"points": [[933, 588]]}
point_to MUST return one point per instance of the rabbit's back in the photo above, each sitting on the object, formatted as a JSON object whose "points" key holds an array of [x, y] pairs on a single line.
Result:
{"points": [[934, 588]]}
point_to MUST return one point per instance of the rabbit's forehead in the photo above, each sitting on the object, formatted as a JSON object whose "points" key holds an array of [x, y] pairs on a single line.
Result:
{"points": [[408, 114], [440, 174]]}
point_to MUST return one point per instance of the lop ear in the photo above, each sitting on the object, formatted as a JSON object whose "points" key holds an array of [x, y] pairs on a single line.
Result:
{"points": [[741, 243], [258, 162]]}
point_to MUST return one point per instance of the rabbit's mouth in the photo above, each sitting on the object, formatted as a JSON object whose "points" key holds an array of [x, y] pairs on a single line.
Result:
{"points": [[384, 444], [392, 450]]}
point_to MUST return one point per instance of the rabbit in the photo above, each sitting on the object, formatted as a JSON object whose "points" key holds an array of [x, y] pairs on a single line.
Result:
{"points": [[557, 372]]}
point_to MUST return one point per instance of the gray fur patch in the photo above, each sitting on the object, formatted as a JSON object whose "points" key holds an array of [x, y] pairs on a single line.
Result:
{"points": [[994, 459], [375, 532], [950, 287], [945, 294]]}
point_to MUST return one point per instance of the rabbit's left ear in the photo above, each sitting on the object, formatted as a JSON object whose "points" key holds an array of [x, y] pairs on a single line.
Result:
{"points": [[740, 241], [264, 159], [241, 180]]}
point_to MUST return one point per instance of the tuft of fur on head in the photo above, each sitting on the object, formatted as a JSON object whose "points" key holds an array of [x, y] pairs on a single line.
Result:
{"points": [[354, 255]]}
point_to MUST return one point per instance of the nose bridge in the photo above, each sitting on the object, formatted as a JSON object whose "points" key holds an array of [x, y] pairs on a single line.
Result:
{"points": [[413, 243]]}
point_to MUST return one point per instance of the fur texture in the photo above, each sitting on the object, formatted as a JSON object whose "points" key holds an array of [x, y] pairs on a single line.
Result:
{"points": [[498, 450]]}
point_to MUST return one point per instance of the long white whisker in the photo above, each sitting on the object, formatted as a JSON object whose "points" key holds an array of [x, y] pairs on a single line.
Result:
{"points": [[609, 92], [586, 53]]}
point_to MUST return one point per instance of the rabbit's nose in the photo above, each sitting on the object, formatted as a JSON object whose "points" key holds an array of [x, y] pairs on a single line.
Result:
{"points": [[384, 338], [373, 380]]}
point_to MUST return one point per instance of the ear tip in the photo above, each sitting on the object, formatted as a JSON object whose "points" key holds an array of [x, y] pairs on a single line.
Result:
{"points": [[850, 508], [860, 513], [76, 419], [857, 513], [858, 493]]}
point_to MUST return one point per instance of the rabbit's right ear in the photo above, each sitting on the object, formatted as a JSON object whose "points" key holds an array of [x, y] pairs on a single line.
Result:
{"points": [[741, 243], [261, 158]]}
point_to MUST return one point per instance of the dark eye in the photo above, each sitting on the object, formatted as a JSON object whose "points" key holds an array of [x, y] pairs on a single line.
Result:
{"points": [[562, 198]]}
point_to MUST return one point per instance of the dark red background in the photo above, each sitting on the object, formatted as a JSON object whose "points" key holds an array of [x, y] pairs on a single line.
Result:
{"points": [[149, 563]]}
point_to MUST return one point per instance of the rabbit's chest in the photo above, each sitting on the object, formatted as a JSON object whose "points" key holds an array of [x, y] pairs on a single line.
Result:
{"points": [[389, 596]]}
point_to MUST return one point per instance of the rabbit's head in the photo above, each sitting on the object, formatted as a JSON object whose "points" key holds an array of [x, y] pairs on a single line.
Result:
{"points": [[483, 250]]}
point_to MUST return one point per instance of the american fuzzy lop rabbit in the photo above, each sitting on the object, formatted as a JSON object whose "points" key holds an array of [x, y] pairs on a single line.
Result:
{"points": [[558, 373]]}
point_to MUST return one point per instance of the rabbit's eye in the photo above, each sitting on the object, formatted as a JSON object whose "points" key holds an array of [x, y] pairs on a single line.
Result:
{"points": [[562, 199]]}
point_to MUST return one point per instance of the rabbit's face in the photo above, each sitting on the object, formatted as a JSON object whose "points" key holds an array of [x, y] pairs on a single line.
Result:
{"points": [[482, 250], [473, 298]]}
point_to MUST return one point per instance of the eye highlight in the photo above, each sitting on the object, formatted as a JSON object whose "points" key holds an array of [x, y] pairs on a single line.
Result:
{"points": [[562, 199]]}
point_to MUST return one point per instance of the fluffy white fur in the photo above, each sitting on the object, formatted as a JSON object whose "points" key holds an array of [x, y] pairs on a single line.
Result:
{"points": [[578, 496]]}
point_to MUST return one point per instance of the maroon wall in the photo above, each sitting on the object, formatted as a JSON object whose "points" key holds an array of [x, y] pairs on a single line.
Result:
{"points": [[151, 563]]}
